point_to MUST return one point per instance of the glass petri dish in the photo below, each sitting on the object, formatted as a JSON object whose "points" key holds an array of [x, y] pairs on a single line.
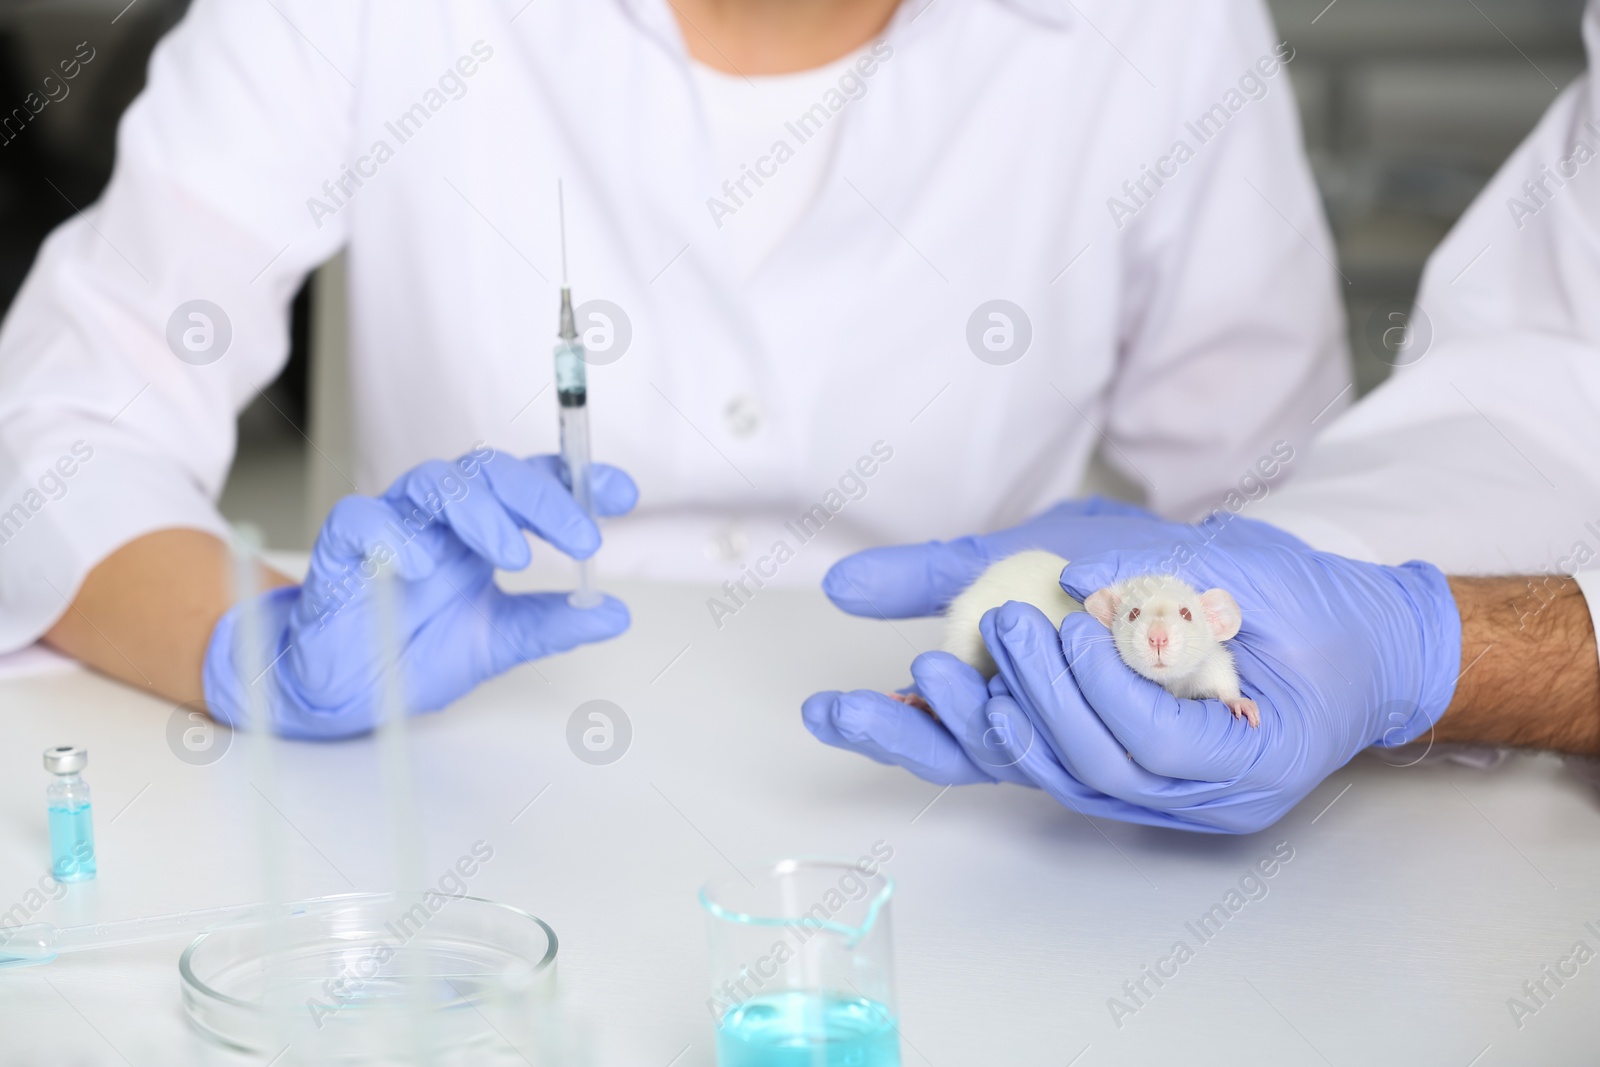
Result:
{"points": [[373, 977]]}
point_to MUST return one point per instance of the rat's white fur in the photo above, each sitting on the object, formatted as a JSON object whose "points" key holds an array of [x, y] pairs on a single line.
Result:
{"points": [[1193, 665], [1032, 577]]}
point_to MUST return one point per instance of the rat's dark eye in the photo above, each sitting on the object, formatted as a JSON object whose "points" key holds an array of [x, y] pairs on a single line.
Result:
{"points": [[1185, 613], [1134, 614]]}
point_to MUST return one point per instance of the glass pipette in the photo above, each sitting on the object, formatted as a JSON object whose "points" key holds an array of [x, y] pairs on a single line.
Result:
{"points": [[572, 394], [33, 943]]}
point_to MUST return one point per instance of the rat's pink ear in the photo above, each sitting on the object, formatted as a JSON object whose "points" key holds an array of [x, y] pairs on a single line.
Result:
{"points": [[1103, 605], [1222, 613]]}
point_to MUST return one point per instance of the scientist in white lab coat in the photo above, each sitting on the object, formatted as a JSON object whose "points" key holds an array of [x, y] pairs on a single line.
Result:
{"points": [[886, 270], [1478, 456]]}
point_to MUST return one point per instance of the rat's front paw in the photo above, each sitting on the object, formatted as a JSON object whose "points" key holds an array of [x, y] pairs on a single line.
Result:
{"points": [[915, 700], [1245, 708]]}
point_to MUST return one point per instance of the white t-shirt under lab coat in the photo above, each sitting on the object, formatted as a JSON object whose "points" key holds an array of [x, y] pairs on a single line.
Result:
{"points": [[1126, 175], [744, 116]]}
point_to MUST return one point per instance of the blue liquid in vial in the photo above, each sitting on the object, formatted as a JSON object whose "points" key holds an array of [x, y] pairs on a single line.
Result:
{"points": [[72, 843], [799, 1029]]}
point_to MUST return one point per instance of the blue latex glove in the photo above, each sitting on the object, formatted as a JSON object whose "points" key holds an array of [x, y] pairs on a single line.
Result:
{"points": [[447, 526], [1338, 654], [902, 581]]}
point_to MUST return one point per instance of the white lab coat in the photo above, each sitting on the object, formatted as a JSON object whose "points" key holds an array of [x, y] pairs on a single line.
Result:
{"points": [[979, 162], [1482, 455]]}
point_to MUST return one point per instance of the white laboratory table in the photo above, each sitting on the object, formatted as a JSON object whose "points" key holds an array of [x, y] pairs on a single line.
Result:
{"points": [[1418, 899]]}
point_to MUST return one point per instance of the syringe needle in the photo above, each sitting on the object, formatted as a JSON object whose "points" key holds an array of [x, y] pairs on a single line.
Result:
{"points": [[561, 214]]}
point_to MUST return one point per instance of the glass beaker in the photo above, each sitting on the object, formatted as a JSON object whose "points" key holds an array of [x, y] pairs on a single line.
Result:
{"points": [[802, 970]]}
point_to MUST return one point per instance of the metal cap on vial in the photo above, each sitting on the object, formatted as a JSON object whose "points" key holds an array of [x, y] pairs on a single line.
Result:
{"points": [[66, 759]]}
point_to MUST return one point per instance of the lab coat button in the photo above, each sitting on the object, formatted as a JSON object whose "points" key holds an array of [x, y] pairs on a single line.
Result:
{"points": [[729, 545], [742, 415]]}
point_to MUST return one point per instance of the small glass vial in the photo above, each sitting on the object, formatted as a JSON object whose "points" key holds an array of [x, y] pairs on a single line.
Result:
{"points": [[71, 819]]}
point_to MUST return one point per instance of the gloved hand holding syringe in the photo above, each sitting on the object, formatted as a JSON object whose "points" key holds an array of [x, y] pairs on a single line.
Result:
{"points": [[449, 526]]}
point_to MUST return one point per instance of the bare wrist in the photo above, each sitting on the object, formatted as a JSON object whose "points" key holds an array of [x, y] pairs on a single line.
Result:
{"points": [[1530, 673]]}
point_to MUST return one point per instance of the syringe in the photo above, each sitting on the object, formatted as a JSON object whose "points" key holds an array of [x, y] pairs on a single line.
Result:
{"points": [[572, 393]]}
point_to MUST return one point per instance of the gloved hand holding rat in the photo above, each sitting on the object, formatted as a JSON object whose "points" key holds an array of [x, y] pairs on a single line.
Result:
{"points": [[447, 527], [1335, 654]]}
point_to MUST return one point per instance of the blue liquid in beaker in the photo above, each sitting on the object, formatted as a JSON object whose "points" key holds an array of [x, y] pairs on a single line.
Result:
{"points": [[72, 843], [800, 1029]]}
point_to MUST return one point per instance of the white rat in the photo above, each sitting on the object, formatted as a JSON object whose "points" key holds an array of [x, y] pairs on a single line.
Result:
{"points": [[1162, 628], [1173, 636]]}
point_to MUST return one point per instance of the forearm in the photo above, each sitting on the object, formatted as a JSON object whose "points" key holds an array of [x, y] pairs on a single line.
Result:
{"points": [[1530, 671], [145, 614]]}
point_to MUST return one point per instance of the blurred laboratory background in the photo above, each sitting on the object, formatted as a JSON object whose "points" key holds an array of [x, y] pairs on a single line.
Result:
{"points": [[1408, 105]]}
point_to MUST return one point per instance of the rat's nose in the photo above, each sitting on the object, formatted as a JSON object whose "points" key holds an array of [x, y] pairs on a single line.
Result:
{"points": [[1158, 639]]}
